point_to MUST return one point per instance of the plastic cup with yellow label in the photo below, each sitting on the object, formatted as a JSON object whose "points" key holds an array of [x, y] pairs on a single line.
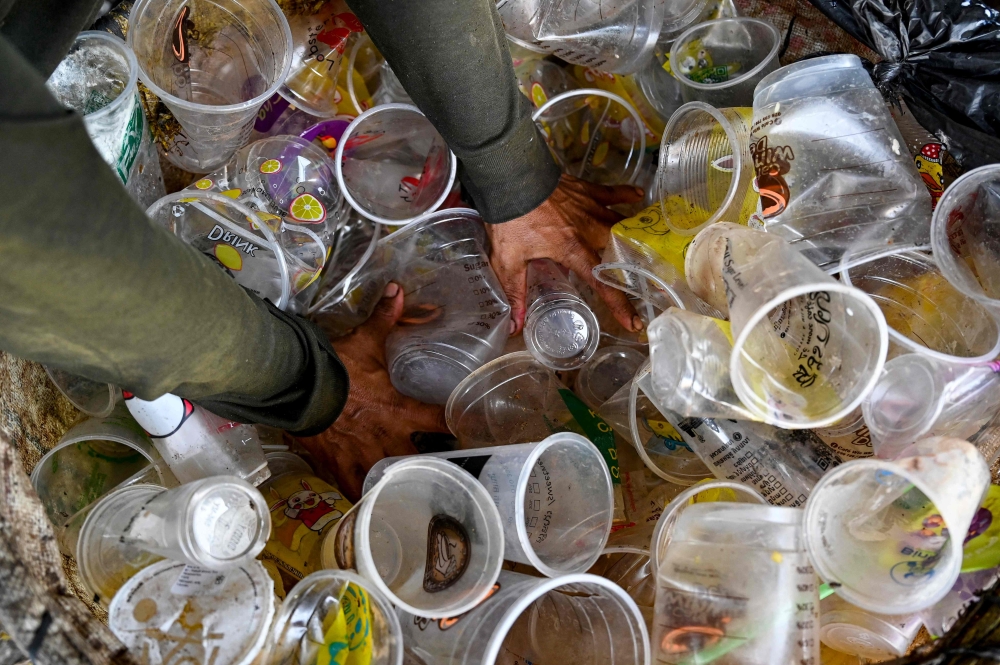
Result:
{"points": [[427, 535], [555, 498]]}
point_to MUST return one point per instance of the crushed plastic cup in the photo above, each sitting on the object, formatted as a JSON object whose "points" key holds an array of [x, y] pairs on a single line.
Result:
{"points": [[917, 397], [92, 397], [577, 618], [720, 62], [555, 498], [854, 631], [611, 368], [833, 171], [706, 172], [427, 535], [849, 437], [925, 313], [594, 135], [393, 166], [98, 78], [888, 534], [333, 612], [233, 236], [807, 348], [560, 330]]}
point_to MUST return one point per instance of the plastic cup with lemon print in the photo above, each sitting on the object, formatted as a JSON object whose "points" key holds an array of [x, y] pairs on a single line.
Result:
{"points": [[541, 80]]}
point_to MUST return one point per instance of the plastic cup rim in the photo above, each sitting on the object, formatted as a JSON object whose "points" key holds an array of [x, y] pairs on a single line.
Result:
{"points": [[772, 55], [880, 434], [133, 71], [747, 396], [257, 101], [480, 374], [103, 413], [189, 542], [600, 269], [65, 443], [584, 378], [843, 60], [339, 168], [880, 641], [585, 312]]}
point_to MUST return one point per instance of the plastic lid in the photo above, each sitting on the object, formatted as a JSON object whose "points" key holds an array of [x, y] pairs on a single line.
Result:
{"points": [[906, 399]]}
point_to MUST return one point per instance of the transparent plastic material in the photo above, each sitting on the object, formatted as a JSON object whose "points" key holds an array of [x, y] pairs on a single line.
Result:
{"points": [[917, 397], [98, 79], [594, 135], [872, 636], [888, 535], [721, 62], [706, 171], [335, 611], [560, 330], [455, 314], [630, 569], [93, 398], [925, 313], [849, 437], [611, 368], [233, 236], [364, 71], [571, 619], [390, 90], [735, 584], [427, 535], [393, 166], [969, 588], [213, 63], [807, 348], [541, 80], [555, 498], [518, 17], [833, 171], [659, 87]]}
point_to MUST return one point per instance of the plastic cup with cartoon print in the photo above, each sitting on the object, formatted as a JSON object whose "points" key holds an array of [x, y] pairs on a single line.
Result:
{"points": [[560, 331], [427, 535], [196, 443], [917, 396], [888, 534], [335, 612], [92, 397], [152, 613], [213, 64], [611, 368], [393, 166], [734, 584], [706, 172], [807, 348], [233, 236], [854, 631], [98, 78], [576, 618], [594, 135], [720, 62], [555, 498], [833, 170]]}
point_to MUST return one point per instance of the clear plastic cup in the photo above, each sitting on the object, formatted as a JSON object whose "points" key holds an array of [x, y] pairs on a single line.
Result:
{"points": [[393, 166], [518, 17], [854, 631], [917, 396], [658, 86], [833, 170], [560, 330], [735, 584], [363, 73], [93, 398], [706, 173], [541, 80], [611, 368], [720, 62], [849, 437], [577, 618], [335, 611], [630, 569], [427, 535], [594, 135], [555, 498], [98, 78], [390, 90], [939, 618], [808, 349], [888, 535]]}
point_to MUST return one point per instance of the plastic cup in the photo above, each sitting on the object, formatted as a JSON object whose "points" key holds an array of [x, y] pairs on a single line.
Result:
{"points": [[611, 368], [939, 618], [808, 349], [518, 17], [706, 172], [427, 535], [555, 498], [363, 73], [393, 166], [541, 80], [833, 171], [390, 89], [214, 65], [577, 618], [658, 86], [652, 289], [721, 62], [917, 396], [849, 437], [93, 398], [560, 331], [631, 571], [888, 535], [98, 78], [233, 236], [865, 634], [925, 313]]}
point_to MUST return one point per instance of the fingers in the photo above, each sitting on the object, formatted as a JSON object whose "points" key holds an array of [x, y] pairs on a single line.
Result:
{"points": [[386, 313], [582, 261], [515, 284], [609, 195]]}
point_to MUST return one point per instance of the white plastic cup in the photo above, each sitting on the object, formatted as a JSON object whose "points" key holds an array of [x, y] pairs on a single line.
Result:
{"points": [[213, 64], [570, 619], [555, 498], [888, 534], [611, 368], [393, 166], [427, 535], [92, 397], [854, 631], [560, 330]]}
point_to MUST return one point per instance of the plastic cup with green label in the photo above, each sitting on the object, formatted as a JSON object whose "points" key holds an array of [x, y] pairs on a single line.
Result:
{"points": [[560, 330], [427, 535], [555, 498]]}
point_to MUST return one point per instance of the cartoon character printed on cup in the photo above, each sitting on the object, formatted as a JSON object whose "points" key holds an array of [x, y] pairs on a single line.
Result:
{"points": [[930, 164], [771, 164], [313, 510], [924, 545]]}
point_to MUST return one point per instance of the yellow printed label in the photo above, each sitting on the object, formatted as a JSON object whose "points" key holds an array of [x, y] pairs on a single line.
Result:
{"points": [[726, 329], [538, 96], [347, 633], [648, 235], [664, 429]]}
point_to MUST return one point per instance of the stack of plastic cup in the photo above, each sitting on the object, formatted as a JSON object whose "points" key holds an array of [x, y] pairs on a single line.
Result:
{"points": [[854, 631], [560, 330], [93, 398], [611, 368]]}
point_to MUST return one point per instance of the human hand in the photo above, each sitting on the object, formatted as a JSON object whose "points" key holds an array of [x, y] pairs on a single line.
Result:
{"points": [[570, 227], [377, 421]]}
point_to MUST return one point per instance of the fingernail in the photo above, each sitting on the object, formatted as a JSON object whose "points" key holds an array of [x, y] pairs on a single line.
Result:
{"points": [[636, 323], [640, 191], [391, 289], [513, 327]]}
